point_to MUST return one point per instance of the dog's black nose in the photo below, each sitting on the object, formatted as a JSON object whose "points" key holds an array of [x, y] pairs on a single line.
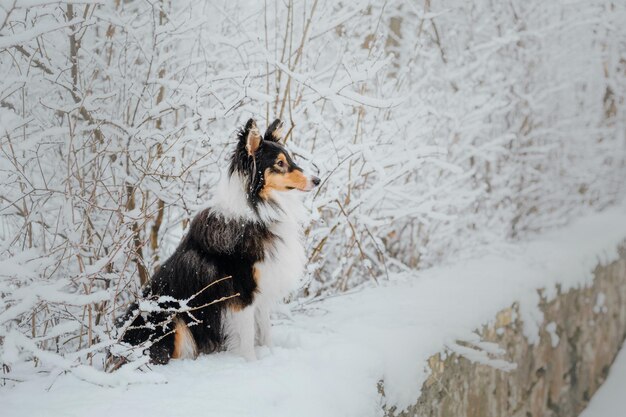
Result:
{"points": [[316, 181]]}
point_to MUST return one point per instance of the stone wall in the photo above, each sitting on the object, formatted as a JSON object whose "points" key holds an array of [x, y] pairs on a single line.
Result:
{"points": [[554, 377]]}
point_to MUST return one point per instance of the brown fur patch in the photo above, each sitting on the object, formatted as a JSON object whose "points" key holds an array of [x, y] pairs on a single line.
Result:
{"points": [[253, 141], [235, 305], [184, 343], [282, 182], [256, 274]]}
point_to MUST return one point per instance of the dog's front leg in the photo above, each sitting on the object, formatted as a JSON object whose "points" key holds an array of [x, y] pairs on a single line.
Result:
{"points": [[239, 329], [263, 324]]}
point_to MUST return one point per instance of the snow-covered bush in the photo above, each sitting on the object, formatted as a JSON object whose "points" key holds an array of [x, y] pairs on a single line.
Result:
{"points": [[436, 128]]}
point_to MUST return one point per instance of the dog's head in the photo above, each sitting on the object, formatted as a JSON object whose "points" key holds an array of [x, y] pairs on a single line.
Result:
{"points": [[266, 165]]}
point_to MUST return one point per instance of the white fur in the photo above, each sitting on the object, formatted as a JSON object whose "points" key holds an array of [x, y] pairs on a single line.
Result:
{"points": [[262, 322], [281, 270], [278, 274], [231, 198], [239, 330]]}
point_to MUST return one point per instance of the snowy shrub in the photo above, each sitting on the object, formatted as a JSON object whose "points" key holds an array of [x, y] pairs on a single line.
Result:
{"points": [[437, 128]]}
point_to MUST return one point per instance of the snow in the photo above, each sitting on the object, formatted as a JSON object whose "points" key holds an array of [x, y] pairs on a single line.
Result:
{"points": [[600, 307], [330, 354], [551, 328], [609, 400]]}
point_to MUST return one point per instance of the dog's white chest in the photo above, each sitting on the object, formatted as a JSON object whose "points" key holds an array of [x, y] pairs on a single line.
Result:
{"points": [[281, 270]]}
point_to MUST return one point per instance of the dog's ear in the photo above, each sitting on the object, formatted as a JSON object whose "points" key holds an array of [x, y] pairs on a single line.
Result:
{"points": [[274, 132], [251, 136]]}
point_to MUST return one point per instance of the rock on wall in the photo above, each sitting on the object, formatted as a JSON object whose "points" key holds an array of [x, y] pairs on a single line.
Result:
{"points": [[582, 333]]}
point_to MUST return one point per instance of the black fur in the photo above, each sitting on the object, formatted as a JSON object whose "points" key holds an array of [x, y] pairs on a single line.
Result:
{"points": [[214, 248]]}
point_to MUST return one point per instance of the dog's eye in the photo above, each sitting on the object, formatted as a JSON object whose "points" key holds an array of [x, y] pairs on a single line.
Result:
{"points": [[280, 164]]}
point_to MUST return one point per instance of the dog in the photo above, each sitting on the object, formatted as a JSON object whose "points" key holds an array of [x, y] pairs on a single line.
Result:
{"points": [[239, 257]]}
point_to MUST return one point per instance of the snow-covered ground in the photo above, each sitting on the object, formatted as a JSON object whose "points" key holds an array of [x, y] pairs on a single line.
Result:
{"points": [[330, 354], [610, 399]]}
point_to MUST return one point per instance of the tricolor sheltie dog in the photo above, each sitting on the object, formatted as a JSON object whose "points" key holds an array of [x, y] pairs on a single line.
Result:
{"points": [[240, 256]]}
